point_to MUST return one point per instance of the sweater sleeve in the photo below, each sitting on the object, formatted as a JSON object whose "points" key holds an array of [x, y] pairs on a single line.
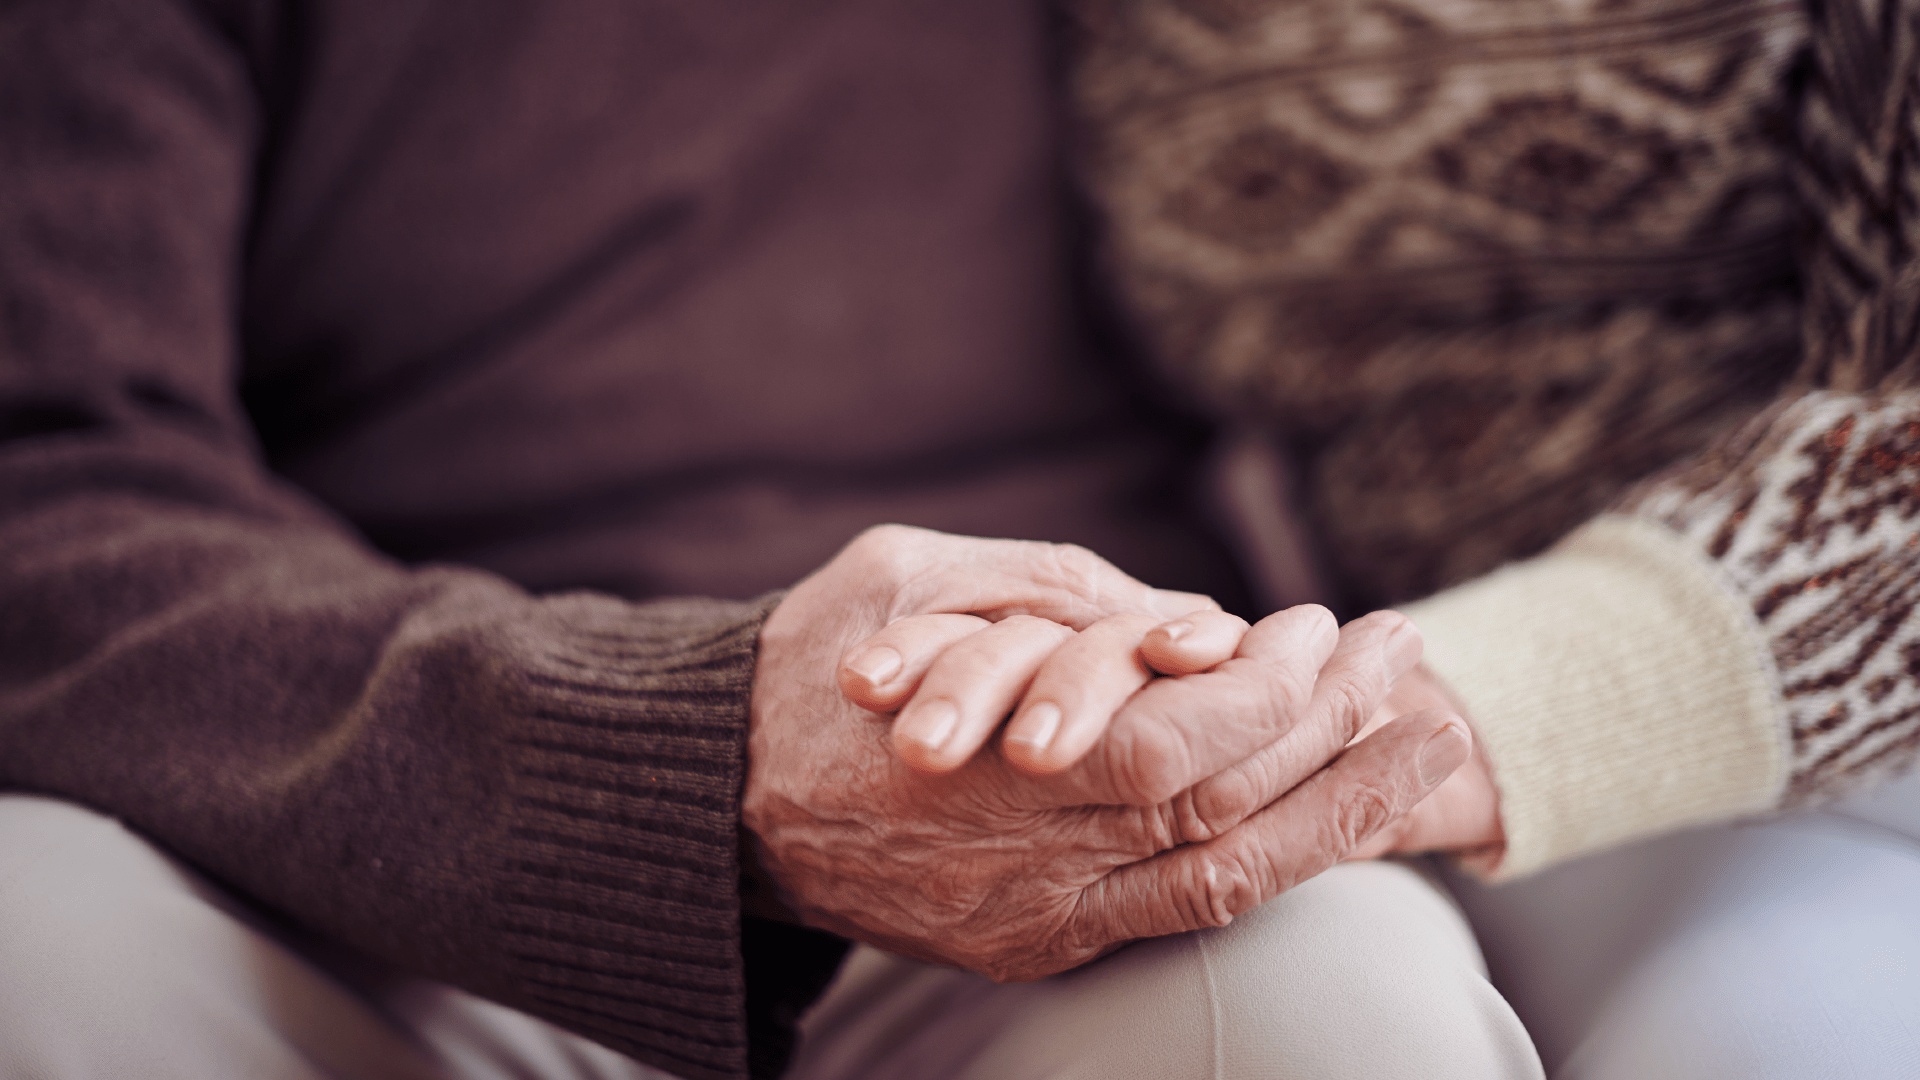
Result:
{"points": [[1496, 271], [532, 797], [1740, 634]]}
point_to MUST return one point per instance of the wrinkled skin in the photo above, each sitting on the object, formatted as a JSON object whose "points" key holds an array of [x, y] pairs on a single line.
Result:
{"points": [[1085, 677], [1462, 815], [1206, 794]]}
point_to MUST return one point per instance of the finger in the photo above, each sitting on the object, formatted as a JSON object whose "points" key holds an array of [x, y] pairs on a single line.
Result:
{"points": [[969, 689], [936, 572], [1075, 693], [1177, 731], [1461, 814], [1372, 654], [1417, 689], [883, 671], [1314, 826], [1193, 643]]}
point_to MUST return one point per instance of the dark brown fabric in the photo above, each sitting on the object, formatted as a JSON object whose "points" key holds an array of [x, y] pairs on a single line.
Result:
{"points": [[367, 368]]}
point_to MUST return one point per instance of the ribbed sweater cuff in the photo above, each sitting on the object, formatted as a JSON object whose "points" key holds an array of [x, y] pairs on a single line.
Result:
{"points": [[1620, 690], [618, 899]]}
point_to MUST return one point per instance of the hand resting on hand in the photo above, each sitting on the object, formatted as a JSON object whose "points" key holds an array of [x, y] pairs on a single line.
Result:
{"points": [[1062, 688], [1203, 796]]}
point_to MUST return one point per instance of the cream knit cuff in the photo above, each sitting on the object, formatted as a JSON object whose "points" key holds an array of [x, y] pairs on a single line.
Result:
{"points": [[1619, 688]]}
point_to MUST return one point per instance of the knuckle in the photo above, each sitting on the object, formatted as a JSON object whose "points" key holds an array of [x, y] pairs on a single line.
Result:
{"points": [[1352, 702], [1206, 907], [1075, 558], [885, 552], [1147, 765], [1363, 810], [1079, 569], [880, 538], [1289, 684], [1163, 827], [1210, 809], [1224, 889]]}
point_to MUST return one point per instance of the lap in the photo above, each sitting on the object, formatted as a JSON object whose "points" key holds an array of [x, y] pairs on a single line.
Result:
{"points": [[1782, 948], [121, 962], [1785, 948], [1366, 971]]}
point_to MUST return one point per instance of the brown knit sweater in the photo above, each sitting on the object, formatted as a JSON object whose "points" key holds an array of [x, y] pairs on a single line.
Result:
{"points": [[367, 368]]}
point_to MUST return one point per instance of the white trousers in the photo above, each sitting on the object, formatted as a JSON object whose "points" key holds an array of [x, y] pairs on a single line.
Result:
{"points": [[1786, 949], [1367, 972], [1780, 950]]}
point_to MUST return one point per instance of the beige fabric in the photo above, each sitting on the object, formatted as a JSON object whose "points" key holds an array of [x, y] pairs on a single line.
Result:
{"points": [[1619, 688], [1783, 949], [119, 963], [1367, 972]]}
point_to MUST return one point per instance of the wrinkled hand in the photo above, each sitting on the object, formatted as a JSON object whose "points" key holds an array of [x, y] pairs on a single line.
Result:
{"points": [[1462, 815], [1173, 820], [959, 676], [1061, 689]]}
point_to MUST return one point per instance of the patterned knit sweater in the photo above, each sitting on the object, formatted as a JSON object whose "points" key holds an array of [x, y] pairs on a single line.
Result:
{"points": [[1631, 283]]}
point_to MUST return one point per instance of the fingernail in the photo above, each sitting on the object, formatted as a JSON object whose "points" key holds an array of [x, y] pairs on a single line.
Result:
{"points": [[1037, 726], [929, 723], [1326, 630], [876, 665], [1176, 630], [1445, 751], [1171, 605], [1403, 646]]}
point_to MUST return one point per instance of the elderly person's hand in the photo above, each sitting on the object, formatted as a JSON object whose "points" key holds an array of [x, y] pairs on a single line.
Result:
{"points": [[958, 677], [1462, 815], [1066, 696], [1204, 796]]}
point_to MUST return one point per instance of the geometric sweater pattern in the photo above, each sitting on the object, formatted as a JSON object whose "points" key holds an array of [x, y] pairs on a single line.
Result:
{"points": [[1489, 271]]}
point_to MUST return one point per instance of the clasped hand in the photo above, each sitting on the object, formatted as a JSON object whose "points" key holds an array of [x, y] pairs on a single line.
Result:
{"points": [[1113, 808]]}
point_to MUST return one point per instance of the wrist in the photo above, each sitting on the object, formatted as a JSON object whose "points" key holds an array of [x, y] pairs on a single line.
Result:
{"points": [[761, 894]]}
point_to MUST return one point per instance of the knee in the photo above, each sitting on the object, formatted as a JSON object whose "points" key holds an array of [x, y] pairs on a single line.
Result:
{"points": [[91, 919], [1798, 955], [1365, 971]]}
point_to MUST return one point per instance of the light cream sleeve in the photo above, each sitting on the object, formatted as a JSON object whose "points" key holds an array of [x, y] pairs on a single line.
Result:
{"points": [[1739, 636]]}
